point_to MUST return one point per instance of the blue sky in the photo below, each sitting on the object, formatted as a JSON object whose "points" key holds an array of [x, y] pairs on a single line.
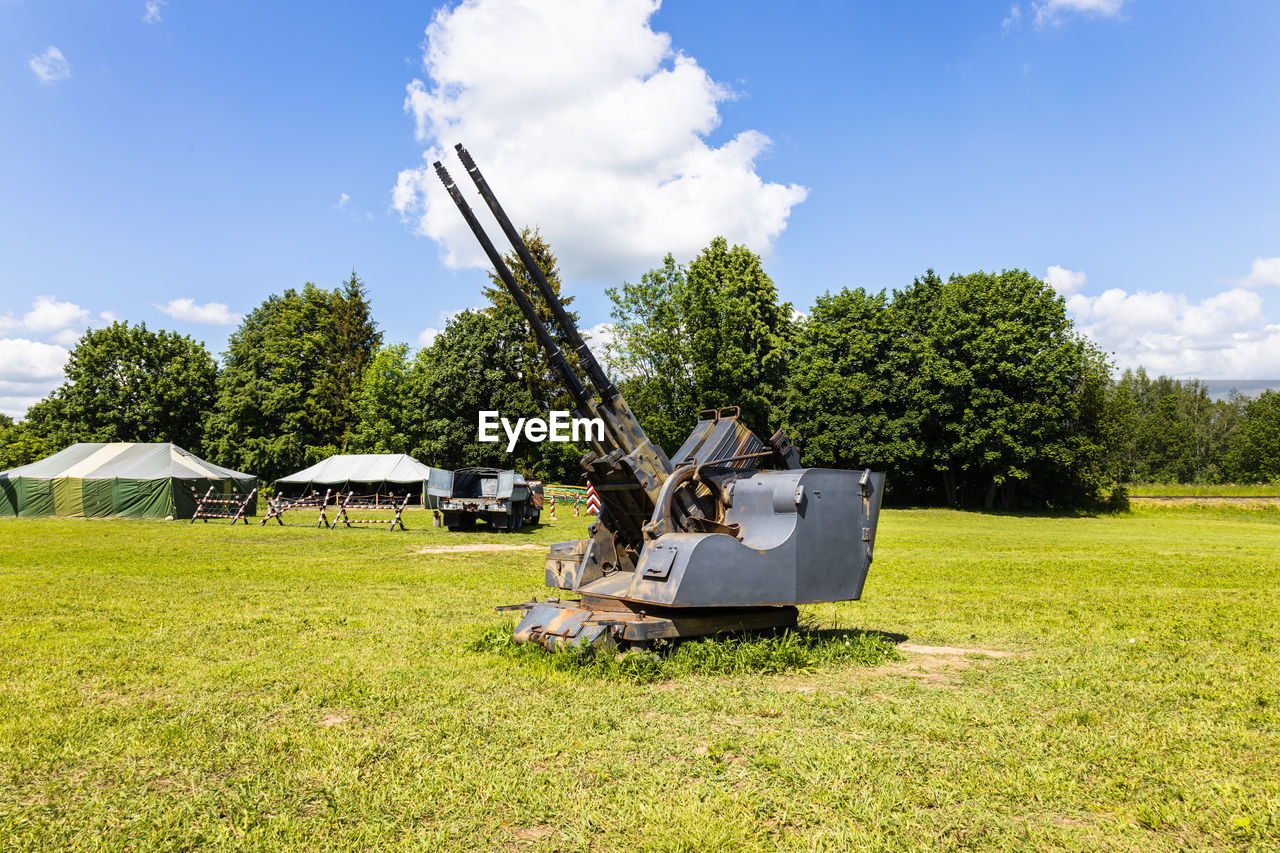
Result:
{"points": [[176, 163]]}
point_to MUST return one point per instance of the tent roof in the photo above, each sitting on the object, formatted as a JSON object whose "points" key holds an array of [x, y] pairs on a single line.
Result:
{"points": [[363, 468], [96, 460]]}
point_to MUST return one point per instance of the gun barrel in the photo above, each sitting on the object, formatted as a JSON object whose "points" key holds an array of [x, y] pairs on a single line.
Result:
{"points": [[595, 373], [558, 361]]}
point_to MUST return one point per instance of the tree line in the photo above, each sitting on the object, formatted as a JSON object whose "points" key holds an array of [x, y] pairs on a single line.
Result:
{"points": [[971, 391]]}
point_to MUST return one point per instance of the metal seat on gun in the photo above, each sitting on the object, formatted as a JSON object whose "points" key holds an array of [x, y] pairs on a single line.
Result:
{"points": [[731, 536]]}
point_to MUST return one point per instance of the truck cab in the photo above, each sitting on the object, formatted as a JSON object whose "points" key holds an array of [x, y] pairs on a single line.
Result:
{"points": [[503, 499]]}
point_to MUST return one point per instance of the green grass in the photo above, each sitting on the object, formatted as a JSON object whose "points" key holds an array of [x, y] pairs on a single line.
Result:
{"points": [[173, 686], [1192, 490], [801, 650]]}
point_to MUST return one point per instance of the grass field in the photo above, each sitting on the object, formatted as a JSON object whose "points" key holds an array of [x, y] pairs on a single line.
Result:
{"points": [[1235, 490], [171, 686]]}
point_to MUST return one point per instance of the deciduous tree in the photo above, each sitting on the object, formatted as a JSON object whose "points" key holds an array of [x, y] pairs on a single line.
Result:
{"points": [[19, 445], [473, 366], [386, 419], [1254, 455], [707, 335], [978, 384], [533, 369], [285, 395], [127, 383]]}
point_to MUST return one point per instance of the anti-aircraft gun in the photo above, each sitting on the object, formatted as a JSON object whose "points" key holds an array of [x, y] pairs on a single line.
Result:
{"points": [[730, 536]]}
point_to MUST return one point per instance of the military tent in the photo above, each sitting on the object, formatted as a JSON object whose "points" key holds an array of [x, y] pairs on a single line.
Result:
{"points": [[117, 479], [379, 474]]}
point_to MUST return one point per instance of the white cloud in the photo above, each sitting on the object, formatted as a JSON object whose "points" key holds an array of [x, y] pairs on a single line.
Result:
{"points": [[1222, 336], [22, 360], [342, 201], [29, 370], [209, 314], [15, 406], [1063, 280], [1264, 271], [66, 338], [601, 337], [428, 335], [49, 315], [50, 66], [1013, 20], [152, 13], [1051, 11], [588, 124]]}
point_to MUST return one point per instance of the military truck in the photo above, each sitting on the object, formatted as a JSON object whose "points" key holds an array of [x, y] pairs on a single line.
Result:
{"points": [[504, 499]]}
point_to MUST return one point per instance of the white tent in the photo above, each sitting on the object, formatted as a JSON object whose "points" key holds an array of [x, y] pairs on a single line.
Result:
{"points": [[363, 473]]}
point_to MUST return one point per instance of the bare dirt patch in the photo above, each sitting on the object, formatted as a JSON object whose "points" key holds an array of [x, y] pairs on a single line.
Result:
{"points": [[1065, 820], [328, 721], [532, 833], [938, 665], [934, 665], [951, 650], [477, 547]]}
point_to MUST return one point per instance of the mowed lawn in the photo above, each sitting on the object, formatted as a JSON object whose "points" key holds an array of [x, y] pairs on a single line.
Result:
{"points": [[169, 686]]}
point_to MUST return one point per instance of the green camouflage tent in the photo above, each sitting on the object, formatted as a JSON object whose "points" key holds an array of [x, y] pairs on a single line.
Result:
{"points": [[116, 480]]}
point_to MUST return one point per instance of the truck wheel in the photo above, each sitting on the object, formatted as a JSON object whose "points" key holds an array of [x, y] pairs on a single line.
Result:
{"points": [[535, 517]]}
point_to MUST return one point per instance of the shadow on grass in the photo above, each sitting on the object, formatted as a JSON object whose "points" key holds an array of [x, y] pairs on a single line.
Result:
{"points": [[485, 528], [799, 649]]}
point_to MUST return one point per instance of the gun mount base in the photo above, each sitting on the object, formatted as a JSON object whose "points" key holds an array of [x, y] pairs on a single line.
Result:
{"points": [[555, 623]]}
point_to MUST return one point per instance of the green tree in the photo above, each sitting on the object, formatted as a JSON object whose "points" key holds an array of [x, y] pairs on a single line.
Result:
{"points": [[1209, 423], [1164, 445], [285, 396], [651, 352], [1101, 430], [1254, 454], [1225, 419], [533, 369], [999, 371], [846, 403], [127, 383], [386, 421], [980, 379], [351, 339], [1196, 409], [1119, 424], [709, 335], [473, 366], [18, 445]]}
